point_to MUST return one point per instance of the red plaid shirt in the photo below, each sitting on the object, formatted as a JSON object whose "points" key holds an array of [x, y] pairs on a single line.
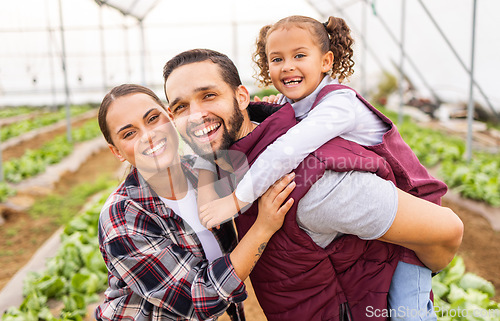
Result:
{"points": [[157, 269]]}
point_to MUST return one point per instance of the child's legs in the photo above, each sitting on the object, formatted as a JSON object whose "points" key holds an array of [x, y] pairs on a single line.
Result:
{"points": [[409, 293]]}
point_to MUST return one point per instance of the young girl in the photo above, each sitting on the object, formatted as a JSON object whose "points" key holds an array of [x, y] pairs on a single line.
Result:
{"points": [[306, 61]]}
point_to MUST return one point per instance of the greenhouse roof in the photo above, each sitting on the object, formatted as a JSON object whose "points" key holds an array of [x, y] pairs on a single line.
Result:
{"points": [[138, 9]]}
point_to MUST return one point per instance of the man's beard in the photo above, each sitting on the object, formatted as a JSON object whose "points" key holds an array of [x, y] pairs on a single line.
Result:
{"points": [[228, 137]]}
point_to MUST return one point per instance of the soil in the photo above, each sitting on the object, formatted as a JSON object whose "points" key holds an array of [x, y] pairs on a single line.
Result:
{"points": [[480, 246], [21, 234]]}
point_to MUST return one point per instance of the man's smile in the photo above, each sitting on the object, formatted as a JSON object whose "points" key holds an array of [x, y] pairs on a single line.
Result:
{"points": [[207, 131]]}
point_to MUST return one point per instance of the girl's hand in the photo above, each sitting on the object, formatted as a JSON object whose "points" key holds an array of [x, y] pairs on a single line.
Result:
{"points": [[272, 210], [220, 211], [273, 99]]}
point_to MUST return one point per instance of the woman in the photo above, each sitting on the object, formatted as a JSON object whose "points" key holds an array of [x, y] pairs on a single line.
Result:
{"points": [[163, 264]]}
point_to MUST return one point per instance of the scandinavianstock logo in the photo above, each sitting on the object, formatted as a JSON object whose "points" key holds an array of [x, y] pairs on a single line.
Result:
{"points": [[408, 313]]}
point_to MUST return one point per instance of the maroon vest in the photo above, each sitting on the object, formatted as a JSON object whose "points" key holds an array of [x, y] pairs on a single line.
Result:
{"points": [[295, 279], [410, 175]]}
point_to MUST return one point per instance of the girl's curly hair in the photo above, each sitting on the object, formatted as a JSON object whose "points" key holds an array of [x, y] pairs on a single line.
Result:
{"points": [[333, 35]]}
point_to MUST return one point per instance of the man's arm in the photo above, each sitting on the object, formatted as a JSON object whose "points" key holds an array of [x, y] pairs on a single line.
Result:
{"points": [[433, 232]]}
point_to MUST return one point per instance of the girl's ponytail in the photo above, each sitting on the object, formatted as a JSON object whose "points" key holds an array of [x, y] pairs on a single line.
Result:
{"points": [[260, 58], [341, 45]]}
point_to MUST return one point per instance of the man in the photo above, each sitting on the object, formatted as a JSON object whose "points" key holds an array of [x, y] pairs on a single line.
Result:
{"points": [[302, 275]]}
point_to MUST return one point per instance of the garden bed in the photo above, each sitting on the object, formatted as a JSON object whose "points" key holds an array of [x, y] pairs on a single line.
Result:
{"points": [[22, 234]]}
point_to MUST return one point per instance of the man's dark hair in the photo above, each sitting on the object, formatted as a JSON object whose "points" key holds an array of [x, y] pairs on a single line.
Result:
{"points": [[228, 70]]}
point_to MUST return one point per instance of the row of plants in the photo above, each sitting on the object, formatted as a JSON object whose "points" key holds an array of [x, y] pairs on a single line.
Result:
{"points": [[75, 275], [478, 179], [34, 162], [23, 126], [463, 296], [7, 112]]}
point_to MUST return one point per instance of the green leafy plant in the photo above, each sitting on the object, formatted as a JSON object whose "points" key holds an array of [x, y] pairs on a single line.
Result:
{"points": [[75, 275], [460, 295], [478, 179], [5, 191]]}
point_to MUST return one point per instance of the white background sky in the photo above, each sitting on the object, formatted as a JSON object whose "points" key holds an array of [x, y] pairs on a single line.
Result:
{"points": [[29, 51]]}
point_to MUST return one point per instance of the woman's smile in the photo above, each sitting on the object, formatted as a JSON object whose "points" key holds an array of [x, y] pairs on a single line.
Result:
{"points": [[155, 149]]}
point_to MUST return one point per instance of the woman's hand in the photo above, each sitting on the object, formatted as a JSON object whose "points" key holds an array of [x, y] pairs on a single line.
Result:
{"points": [[272, 210]]}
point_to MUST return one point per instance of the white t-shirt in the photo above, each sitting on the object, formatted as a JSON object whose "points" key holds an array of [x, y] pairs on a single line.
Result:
{"points": [[187, 209]]}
